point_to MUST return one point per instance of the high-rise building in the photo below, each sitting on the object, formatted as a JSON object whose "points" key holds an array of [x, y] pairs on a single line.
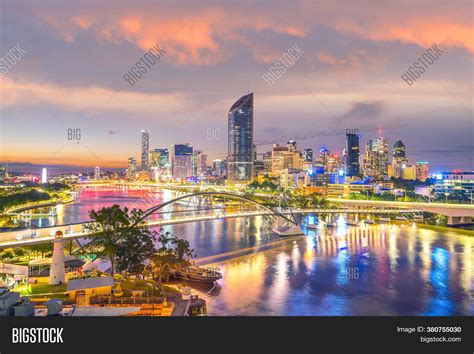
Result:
{"points": [[307, 155], [145, 150], [333, 163], [376, 158], [255, 157], [267, 161], [96, 172], [199, 163], [4, 171], [284, 157], [219, 167], [240, 140], [44, 176], [182, 160], [352, 151], [408, 172], [291, 145], [422, 170], [323, 157], [399, 159], [132, 167]]}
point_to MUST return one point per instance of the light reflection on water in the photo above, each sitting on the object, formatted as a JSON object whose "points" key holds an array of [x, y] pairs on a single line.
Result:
{"points": [[342, 270]]}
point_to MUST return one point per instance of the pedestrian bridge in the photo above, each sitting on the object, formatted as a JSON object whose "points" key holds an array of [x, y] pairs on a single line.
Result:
{"points": [[196, 207]]}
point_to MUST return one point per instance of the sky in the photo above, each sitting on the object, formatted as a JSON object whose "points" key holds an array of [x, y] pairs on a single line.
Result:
{"points": [[348, 75]]}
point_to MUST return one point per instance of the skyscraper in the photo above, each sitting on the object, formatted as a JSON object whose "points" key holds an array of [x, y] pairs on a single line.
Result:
{"points": [[376, 158], [323, 156], [97, 172], [307, 155], [182, 160], [145, 149], [399, 159], [132, 167], [199, 163], [352, 151], [422, 170], [240, 143]]}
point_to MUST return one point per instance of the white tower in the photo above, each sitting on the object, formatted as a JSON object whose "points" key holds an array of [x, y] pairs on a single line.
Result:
{"points": [[44, 176], [57, 274]]}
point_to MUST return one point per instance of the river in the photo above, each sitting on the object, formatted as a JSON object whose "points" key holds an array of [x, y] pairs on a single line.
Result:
{"points": [[342, 271]]}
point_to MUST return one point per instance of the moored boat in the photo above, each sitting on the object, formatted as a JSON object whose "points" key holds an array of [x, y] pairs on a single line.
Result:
{"points": [[199, 274]]}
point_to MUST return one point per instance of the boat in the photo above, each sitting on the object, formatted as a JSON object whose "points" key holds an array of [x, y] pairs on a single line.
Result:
{"points": [[384, 220], [288, 230], [368, 221], [198, 274], [351, 223], [331, 224], [312, 226], [401, 218]]}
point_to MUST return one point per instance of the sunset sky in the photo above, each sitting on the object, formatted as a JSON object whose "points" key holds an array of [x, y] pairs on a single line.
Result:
{"points": [[348, 76]]}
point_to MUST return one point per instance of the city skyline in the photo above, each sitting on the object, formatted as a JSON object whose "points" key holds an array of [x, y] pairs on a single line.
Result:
{"points": [[348, 76]]}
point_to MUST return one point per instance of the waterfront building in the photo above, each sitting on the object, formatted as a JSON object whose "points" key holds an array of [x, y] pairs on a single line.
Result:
{"points": [[96, 173], [422, 170], [294, 178], [267, 161], [352, 152], [145, 150], [376, 158], [160, 164], [456, 183], [182, 160], [240, 140]]}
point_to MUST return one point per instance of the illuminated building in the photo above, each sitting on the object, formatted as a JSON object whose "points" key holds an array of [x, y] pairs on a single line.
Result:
{"points": [[4, 171], [422, 170], [267, 161], [132, 167], [44, 176], [323, 156], [307, 155], [376, 158], [96, 172], [145, 149], [456, 184], [240, 140], [398, 158], [333, 163], [291, 145], [219, 167], [181, 161], [409, 172], [294, 178], [199, 163], [284, 157], [352, 151]]}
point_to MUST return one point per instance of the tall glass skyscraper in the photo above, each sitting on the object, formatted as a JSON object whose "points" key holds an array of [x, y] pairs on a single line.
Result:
{"points": [[240, 147], [352, 151], [182, 160], [145, 149]]}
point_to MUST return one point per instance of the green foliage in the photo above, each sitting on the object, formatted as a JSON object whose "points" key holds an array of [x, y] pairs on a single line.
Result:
{"points": [[121, 237], [14, 198]]}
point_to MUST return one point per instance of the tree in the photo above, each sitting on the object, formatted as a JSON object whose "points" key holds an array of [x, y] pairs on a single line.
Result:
{"points": [[121, 237]]}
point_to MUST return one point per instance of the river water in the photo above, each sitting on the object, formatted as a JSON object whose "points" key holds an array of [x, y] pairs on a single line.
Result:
{"points": [[344, 270]]}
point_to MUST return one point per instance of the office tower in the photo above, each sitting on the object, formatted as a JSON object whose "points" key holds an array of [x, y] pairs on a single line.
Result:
{"points": [[333, 163], [219, 167], [181, 160], [323, 157], [145, 149], [398, 158], [267, 161], [97, 172], [284, 157], [240, 143], [4, 171], [44, 176], [255, 158], [408, 172], [352, 151], [291, 145], [132, 166], [307, 155], [422, 170], [199, 163], [376, 158]]}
